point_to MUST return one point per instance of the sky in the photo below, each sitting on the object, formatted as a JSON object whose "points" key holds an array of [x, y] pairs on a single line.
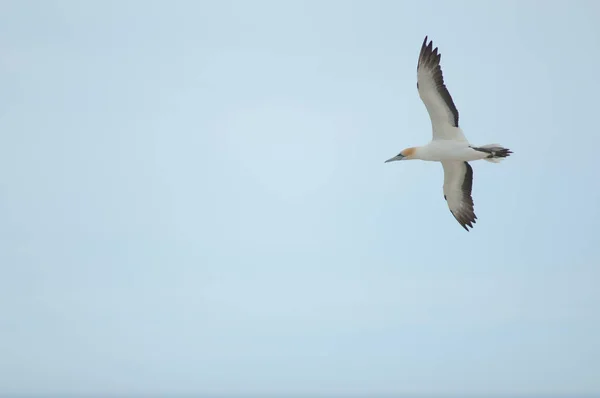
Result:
{"points": [[194, 200]]}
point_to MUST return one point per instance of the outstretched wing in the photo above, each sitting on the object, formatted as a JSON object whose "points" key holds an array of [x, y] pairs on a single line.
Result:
{"points": [[435, 95], [458, 182]]}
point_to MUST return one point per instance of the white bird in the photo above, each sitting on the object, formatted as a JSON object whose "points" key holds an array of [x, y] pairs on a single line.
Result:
{"points": [[448, 145]]}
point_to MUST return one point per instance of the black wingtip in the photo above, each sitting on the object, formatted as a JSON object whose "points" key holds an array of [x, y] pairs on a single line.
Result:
{"points": [[423, 47], [468, 224], [429, 53]]}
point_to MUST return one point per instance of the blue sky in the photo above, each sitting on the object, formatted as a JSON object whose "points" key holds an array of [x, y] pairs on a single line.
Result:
{"points": [[194, 199]]}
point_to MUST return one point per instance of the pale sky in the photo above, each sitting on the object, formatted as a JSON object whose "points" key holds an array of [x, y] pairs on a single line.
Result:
{"points": [[194, 199]]}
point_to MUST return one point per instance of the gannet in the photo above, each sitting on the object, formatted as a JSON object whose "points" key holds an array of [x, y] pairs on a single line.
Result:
{"points": [[449, 145]]}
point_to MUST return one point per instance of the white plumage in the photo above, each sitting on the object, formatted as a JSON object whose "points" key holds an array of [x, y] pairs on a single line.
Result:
{"points": [[449, 145]]}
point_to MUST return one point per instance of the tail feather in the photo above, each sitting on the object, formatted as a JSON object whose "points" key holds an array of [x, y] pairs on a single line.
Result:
{"points": [[496, 152]]}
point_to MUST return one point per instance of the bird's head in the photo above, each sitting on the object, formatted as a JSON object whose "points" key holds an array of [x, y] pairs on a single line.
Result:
{"points": [[407, 154]]}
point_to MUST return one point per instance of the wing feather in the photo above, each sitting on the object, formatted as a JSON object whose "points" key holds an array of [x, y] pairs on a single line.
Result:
{"points": [[435, 95], [458, 183]]}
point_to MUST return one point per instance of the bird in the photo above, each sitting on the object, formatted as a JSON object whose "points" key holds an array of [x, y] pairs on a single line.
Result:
{"points": [[448, 145]]}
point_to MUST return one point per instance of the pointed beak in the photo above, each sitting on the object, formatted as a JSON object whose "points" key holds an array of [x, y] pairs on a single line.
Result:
{"points": [[398, 157]]}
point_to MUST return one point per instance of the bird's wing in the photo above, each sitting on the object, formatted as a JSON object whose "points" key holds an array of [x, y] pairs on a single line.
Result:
{"points": [[458, 181], [435, 95]]}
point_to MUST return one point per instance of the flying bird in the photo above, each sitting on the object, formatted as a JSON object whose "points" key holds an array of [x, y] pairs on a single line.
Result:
{"points": [[449, 145]]}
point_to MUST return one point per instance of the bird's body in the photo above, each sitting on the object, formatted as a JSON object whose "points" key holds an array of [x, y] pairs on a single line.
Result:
{"points": [[442, 150], [449, 145]]}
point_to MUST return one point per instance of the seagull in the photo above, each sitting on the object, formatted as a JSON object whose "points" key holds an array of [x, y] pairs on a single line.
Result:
{"points": [[449, 145]]}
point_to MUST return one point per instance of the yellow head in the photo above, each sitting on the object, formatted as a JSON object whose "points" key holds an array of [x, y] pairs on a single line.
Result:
{"points": [[406, 154]]}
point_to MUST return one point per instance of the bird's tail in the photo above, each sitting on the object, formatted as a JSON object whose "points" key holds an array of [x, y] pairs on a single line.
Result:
{"points": [[496, 152]]}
